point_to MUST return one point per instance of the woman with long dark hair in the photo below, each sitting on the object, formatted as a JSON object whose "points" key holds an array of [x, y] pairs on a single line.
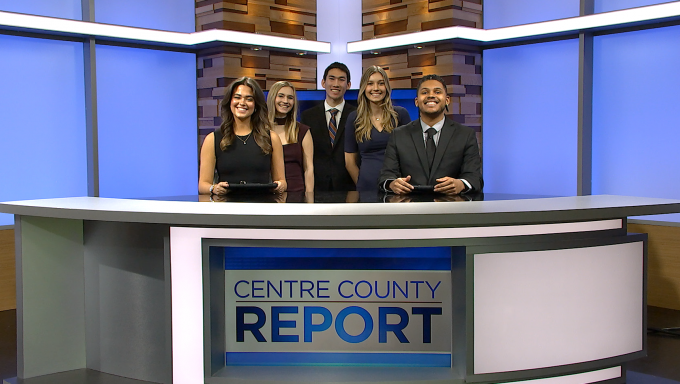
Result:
{"points": [[298, 149], [242, 150], [369, 127]]}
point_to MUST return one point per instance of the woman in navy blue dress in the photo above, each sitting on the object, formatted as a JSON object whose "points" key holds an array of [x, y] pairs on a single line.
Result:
{"points": [[369, 127]]}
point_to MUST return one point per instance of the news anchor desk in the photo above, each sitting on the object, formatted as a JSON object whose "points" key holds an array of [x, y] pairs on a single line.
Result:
{"points": [[188, 292]]}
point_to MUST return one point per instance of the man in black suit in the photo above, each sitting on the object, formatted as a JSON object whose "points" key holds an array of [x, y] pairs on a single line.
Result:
{"points": [[432, 150], [326, 122]]}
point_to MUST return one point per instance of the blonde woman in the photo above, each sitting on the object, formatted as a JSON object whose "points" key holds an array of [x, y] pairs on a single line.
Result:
{"points": [[298, 148], [372, 123], [242, 149]]}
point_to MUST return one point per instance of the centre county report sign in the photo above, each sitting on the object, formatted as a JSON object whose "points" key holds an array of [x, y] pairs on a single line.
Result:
{"points": [[321, 312]]}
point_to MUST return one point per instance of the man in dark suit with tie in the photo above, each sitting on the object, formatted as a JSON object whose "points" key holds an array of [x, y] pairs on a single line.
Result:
{"points": [[326, 122], [433, 150]]}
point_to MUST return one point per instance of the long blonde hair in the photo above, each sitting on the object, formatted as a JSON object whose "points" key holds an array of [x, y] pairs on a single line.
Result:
{"points": [[258, 120], [291, 125], [362, 124]]}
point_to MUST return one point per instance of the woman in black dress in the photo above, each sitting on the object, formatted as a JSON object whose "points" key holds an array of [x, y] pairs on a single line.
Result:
{"points": [[369, 127], [242, 149], [298, 149]]}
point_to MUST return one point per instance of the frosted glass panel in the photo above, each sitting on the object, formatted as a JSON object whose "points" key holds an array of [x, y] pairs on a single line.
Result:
{"points": [[42, 120], [530, 119], [169, 15], [635, 114], [147, 122], [65, 9], [613, 5], [339, 22], [504, 13]]}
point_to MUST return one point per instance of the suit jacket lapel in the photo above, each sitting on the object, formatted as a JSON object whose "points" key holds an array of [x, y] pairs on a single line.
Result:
{"points": [[445, 137], [320, 117], [419, 144]]}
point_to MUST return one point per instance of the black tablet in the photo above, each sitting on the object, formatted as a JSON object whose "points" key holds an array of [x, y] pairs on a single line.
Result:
{"points": [[423, 189], [252, 187]]}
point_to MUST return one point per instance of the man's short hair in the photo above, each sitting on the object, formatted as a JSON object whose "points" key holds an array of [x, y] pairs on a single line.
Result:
{"points": [[431, 77], [336, 65]]}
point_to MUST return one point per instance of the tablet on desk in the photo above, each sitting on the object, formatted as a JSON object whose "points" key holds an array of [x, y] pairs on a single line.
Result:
{"points": [[252, 187], [423, 189]]}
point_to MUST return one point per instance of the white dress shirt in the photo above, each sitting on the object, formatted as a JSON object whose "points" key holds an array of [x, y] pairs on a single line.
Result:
{"points": [[328, 108], [438, 126]]}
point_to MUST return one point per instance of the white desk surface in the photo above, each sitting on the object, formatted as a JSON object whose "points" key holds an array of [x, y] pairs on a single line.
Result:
{"points": [[361, 215]]}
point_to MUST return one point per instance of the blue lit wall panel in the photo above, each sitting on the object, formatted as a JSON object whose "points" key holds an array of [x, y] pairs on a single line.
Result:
{"points": [[613, 5], [530, 119], [168, 15], [504, 13], [147, 122], [635, 114], [65, 9], [42, 120]]}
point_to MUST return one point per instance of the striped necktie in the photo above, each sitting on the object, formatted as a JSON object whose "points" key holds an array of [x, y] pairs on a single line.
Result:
{"points": [[333, 125]]}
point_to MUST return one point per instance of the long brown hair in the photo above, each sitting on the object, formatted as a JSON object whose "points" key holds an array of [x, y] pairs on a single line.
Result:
{"points": [[258, 120], [291, 126], [362, 124]]}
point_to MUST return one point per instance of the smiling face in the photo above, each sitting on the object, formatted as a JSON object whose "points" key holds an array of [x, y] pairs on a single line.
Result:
{"points": [[284, 102], [336, 85], [242, 102], [375, 88], [432, 99]]}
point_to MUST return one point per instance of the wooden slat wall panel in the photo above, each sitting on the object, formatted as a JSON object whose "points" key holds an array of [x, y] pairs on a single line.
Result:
{"points": [[384, 18], [8, 292], [257, 16], [219, 66], [663, 268]]}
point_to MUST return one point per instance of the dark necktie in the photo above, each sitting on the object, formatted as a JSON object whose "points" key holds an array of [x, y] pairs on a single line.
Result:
{"points": [[430, 147], [333, 125]]}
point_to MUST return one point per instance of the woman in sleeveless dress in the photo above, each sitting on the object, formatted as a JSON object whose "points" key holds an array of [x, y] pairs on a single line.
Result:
{"points": [[369, 127], [242, 149], [298, 149]]}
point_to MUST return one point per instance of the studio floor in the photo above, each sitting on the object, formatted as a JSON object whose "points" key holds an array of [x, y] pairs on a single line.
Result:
{"points": [[661, 366]]}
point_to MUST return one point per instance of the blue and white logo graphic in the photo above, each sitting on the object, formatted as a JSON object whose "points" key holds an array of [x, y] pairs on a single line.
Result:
{"points": [[346, 311]]}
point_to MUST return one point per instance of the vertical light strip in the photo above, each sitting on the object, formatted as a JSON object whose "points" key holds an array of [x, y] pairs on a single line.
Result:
{"points": [[186, 279], [91, 125], [339, 22], [19, 270], [584, 171]]}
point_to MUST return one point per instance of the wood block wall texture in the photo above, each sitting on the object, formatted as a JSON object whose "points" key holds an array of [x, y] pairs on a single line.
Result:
{"points": [[217, 67], [392, 17], [459, 65], [663, 264], [8, 292]]}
